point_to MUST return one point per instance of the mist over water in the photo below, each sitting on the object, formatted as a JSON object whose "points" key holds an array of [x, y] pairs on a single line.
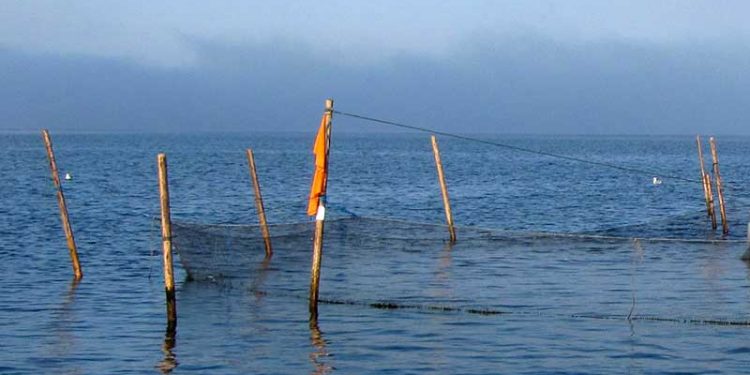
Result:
{"points": [[487, 83]]}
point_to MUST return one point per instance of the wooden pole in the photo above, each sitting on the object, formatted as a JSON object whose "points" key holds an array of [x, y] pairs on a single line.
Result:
{"points": [[166, 242], [319, 225], [259, 204], [719, 189], [703, 175], [711, 205], [444, 190], [77, 272], [316, 262]]}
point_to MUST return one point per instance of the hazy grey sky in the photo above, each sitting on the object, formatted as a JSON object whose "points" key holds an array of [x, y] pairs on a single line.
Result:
{"points": [[501, 66]]}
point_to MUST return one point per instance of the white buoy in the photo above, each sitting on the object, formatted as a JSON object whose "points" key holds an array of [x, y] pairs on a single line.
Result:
{"points": [[68, 177]]}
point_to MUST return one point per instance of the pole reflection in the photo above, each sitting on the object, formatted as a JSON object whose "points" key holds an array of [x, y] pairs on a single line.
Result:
{"points": [[169, 361], [440, 286], [318, 357], [446, 260], [62, 325], [261, 278], [746, 255]]}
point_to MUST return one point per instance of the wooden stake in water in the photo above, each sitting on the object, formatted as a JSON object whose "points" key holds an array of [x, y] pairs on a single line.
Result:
{"points": [[316, 261], [719, 189], [444, 190], [746, 255], [166, 242], [703, 175], [711, 205], [259, 204], [77, 272], [319, 225]]}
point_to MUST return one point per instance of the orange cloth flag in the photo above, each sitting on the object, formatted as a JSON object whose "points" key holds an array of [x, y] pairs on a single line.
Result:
{"points": [[320, 150]]}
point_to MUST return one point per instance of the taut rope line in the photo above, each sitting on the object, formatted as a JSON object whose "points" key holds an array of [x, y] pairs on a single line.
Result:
{"points": [[516, 148]]}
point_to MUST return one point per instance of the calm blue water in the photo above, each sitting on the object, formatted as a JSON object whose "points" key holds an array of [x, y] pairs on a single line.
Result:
{"points": [[564, 303]]}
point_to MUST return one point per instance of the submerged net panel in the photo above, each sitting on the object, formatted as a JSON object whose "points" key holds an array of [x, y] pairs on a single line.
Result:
{"points": [[397, 264], [210, 252]]}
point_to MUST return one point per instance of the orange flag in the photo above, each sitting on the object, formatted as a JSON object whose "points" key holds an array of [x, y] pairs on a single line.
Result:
{"points": [[320, 150]]}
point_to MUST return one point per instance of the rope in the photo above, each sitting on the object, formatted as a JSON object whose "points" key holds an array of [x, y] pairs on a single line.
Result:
{"points": [[479, 233], [516, 148], [445, 308]]}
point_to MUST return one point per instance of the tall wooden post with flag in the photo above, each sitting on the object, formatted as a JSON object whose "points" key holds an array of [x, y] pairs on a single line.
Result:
{"points": [[316, 203]]}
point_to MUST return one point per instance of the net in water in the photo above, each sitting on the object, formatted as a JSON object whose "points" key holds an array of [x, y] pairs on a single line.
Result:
{"points": [[400, 264]]}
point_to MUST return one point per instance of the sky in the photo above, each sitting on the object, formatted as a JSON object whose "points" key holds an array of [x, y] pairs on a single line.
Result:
{"points": [[468, 66]]}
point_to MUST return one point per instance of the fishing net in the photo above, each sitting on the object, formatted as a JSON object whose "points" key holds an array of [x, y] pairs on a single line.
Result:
{"points": [[395, 264], [668, 267]]}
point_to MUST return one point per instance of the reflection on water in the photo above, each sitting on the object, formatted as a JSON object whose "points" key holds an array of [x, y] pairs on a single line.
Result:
{"points": [[446, 261], [63, 325], [169, 362], [637, 258], [257, 283], [746, 255], [441, 284], [319, 356]]}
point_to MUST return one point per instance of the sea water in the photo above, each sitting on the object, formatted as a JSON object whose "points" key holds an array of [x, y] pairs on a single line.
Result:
{"points": [[555, 306]]}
